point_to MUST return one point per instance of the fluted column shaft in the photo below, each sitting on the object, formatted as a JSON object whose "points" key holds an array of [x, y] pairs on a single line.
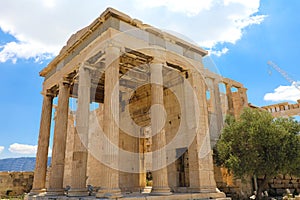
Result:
{"points": [[43, 146], [218, 105], [80, 153], [110, 187], [59, 142], [201, 173], [159, 163]]}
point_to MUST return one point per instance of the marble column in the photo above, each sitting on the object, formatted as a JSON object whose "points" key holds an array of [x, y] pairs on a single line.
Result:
{"points": [[80, 153], [230, 109], [43, 146], [159, 159], [217, 107], [59, 141], [110, 178], [201, 174]]}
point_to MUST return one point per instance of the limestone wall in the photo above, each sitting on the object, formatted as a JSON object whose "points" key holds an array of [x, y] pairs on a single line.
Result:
{"points": [[238, 189], [279, 184], [15, 183], [234, 188]]}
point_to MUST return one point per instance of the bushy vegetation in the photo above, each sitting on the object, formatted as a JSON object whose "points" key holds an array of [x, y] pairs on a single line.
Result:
{"points": [[256, 144]]}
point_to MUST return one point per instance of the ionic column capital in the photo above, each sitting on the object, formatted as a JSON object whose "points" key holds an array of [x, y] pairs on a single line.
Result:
{"points": [[157, 64], [86, 67], [65, 82], [228, 84], [113, 46], [48, 93]]}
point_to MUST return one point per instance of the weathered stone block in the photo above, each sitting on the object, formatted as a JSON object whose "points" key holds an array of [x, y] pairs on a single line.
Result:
{"points": [[288, 185], [280, 191], [294, 181], [287, 177], [277, 185], [15, 183], [277, 181]]}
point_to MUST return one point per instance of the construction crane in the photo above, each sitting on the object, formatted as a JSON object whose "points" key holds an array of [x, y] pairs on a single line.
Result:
{"points": [[284, 74]]}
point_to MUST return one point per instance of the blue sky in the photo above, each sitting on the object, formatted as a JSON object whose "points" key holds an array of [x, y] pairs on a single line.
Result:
{"points": [[241, 35]]}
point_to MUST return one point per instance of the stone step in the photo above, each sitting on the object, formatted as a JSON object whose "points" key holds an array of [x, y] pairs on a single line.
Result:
{"points": [[147, 189]]}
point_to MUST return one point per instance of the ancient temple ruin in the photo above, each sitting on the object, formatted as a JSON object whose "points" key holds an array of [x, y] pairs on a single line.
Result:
{"points": [[132, 102]]}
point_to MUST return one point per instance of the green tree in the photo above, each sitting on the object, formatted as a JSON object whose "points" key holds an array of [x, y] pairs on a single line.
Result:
{"points": [[258, 145]]}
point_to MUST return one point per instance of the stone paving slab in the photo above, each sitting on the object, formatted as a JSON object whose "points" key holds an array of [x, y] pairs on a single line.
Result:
{"points": [[189, 196]]}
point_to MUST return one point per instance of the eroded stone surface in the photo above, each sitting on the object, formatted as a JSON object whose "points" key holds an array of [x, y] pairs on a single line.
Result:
{"points": [[15, 183]]}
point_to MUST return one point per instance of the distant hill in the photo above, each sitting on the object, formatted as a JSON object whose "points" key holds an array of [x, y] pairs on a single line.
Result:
{"points": [[18, 164]]}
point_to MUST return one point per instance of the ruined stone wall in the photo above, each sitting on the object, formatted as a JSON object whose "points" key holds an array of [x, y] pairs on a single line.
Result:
{"points": [[284, 109], [278, 185], [94, 165], [240, 101], [232, 187], [15, 183]]}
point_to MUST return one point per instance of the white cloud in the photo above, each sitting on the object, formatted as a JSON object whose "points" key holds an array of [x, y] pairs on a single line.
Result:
{"points": [[284, 93], [23, 149], [188, 7], [216, 22], [14, 50], [218, 52], [49, 3], [41, 28], [1, 149]]}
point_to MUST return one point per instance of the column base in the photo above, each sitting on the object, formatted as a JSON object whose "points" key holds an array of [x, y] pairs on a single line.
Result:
{"points": [[78, 192], [37, 191], [55, 192], [161, 191], [109, 193]]}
